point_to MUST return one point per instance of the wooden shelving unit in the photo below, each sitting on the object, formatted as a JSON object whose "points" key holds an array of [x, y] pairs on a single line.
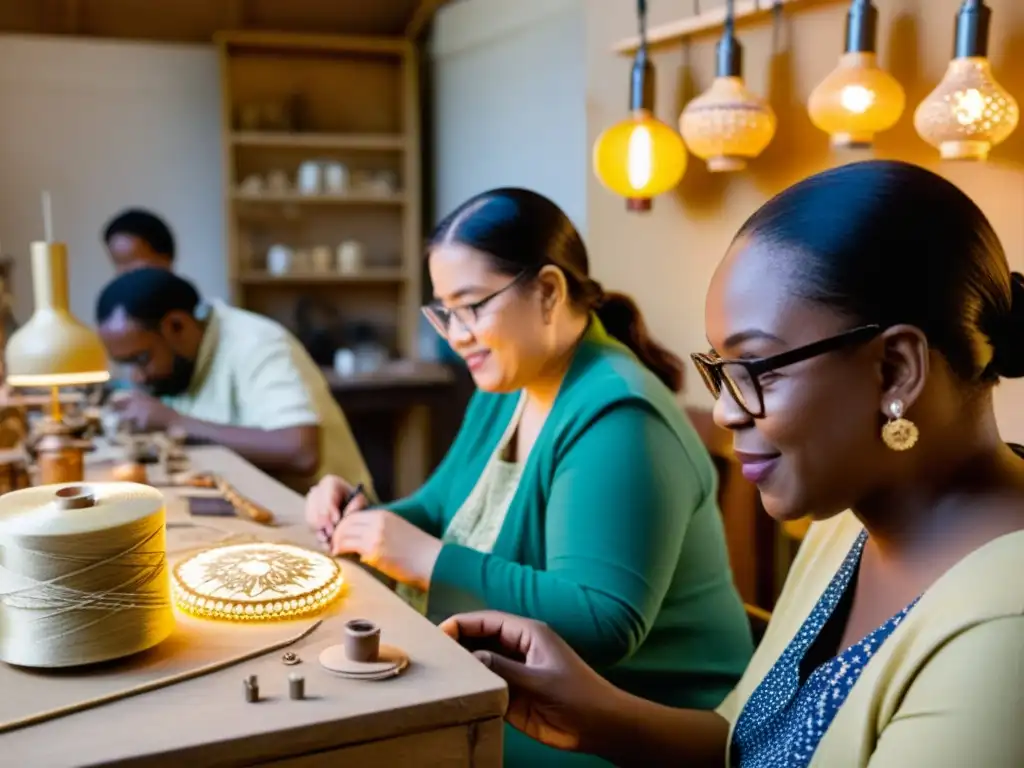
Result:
{"points": [[355, 141], [254, 277], [294, 99]]}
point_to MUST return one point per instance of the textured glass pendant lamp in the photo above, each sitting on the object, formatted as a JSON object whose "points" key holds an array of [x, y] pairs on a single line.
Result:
{"points": [[858, 98], [968, 113]]}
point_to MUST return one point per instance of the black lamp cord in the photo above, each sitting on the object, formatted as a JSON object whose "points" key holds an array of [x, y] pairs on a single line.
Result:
{"points": [[641, 92], [641, 19], [729, 52]]}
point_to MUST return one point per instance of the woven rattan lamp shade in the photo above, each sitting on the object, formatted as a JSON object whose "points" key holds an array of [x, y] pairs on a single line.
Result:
{"points": [[727, 125]]}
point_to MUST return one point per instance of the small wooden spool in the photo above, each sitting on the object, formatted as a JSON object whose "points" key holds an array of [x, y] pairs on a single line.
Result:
{"points": [[362, 640], [362, 656], [75, 497]]}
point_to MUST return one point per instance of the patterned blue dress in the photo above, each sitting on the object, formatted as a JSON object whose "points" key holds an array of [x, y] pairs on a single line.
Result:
{"points": [[783, 721]]}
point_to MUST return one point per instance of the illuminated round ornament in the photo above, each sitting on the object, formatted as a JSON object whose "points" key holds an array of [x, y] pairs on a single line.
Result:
{"points": [[256, 582]]}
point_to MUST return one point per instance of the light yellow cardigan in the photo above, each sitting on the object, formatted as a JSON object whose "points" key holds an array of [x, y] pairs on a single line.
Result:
{"points": [[946, 690]]}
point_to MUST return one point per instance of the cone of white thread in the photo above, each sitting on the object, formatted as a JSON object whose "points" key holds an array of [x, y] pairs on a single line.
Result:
{"points": [[83, 574]]}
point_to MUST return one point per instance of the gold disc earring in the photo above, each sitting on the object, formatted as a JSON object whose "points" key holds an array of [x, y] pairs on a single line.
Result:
{"points": [[899, 434]]}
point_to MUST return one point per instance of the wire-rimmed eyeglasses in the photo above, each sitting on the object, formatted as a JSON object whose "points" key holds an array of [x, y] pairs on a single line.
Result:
{"points": [[441, 316]]}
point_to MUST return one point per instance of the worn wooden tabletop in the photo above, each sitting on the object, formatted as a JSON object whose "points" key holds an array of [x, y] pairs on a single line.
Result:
{"points": [[206, 721]]}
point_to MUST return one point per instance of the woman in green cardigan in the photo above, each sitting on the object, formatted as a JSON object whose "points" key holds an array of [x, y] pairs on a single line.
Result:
{"points": [[576, 492]]}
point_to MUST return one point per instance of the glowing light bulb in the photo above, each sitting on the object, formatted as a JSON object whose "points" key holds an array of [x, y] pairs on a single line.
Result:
{"points": [[968, 112], [968, 106], [857, 100], [639, 159], [727, 125]]}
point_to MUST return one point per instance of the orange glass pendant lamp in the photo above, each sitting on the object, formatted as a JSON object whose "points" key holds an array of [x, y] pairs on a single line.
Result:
{"points": [[728, 125], [640, 157], [858, 98], [968, 113]]}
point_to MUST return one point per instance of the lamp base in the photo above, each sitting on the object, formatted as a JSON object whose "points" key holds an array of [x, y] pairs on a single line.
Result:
{"points": [[13, 471], [964, 150], [852, 140], [638, 204], [726, 164], [60, 455]]}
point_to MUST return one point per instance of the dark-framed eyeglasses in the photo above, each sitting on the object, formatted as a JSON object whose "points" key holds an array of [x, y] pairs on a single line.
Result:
{"points": [[441, 316], [742, 377]]}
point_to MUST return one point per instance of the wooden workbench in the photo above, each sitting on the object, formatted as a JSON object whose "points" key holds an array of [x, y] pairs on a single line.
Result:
{"points": [[445, 710]]}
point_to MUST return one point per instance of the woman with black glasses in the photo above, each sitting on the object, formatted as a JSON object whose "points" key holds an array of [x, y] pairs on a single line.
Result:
{"points": [[859, 324], [576, 492]]}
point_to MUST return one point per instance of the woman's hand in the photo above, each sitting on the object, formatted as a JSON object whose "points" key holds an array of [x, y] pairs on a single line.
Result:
{"points": [[324, 502], [386, 542], [554, 697]]}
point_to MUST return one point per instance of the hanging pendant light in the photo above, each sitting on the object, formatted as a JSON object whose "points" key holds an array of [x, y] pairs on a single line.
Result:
{"points": [[968, 113], [858, 98], [727, 125], [640, 157]]}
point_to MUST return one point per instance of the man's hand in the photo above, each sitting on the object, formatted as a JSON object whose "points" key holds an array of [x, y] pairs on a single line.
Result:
{"points": [[144, 412]]}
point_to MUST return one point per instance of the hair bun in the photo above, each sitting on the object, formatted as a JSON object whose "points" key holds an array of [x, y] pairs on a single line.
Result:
{"points": [[1008, 360]]}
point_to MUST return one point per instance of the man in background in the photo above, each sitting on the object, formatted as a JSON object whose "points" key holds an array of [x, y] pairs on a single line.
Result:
{"points": [[226, 376], [139, 238]]}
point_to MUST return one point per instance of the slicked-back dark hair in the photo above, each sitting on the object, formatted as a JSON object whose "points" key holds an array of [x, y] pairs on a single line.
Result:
{"points": [[888, 242], [521, 231]]}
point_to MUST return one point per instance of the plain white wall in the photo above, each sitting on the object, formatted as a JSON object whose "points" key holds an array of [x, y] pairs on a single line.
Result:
{"points": [[509, 101], [102, 126]]}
